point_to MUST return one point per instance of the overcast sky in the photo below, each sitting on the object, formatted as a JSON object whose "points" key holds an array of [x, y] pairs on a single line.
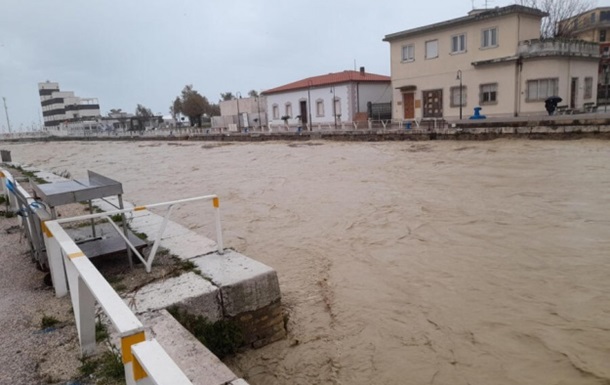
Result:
{"points": [[130, 52]]}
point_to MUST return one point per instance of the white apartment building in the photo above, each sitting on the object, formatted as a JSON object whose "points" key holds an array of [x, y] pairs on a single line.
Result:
{"points": [[64, 107], [497, 58]]}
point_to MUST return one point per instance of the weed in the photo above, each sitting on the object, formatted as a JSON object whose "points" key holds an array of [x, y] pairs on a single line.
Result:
{"points": [[101, 331], [2, 199], [107, 369], [222, 337], [48, 321], [120, 287], [116, 218]]}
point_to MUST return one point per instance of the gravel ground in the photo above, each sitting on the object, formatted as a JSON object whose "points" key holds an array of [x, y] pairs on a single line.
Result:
{"points": [[30, 354]]}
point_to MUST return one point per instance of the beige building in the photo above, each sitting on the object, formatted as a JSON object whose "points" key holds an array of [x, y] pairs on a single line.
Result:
{"points": [[594, 26], [498, 59]]}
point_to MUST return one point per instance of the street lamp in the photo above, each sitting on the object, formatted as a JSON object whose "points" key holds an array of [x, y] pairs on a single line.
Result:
{"points": [[459, 77], [237, 97], [258, 103], [606, 67], [332, 89]]}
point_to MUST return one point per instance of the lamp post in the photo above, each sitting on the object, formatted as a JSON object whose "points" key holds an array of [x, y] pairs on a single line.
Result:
{"points": [[332, 89], [309, 105], [237, 97], [459, 77], [258, 103], [606, 67]]}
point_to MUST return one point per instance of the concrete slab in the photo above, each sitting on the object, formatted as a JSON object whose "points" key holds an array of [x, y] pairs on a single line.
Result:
{"points": [[245, 284], [189, 246], [189, 290], [194, 359]]}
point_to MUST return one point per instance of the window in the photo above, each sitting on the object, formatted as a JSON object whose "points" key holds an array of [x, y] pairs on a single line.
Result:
{"points": [[319, 107], [602, 35], [288, 109], [489, 38], [604, 16], [431, 49], [458, 43], [276, 111], [588, 88], [455, 96], [489, 93], [408, 52], [540, 89]]}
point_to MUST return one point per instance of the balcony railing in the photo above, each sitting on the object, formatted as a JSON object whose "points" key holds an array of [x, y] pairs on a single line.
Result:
{"points": [[558, 48]]}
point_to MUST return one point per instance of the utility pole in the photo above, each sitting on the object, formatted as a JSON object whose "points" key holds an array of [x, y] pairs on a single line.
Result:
{"points": [[8, 122]]}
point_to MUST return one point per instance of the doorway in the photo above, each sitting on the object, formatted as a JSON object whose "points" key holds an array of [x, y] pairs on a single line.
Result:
{"points": [[303, 111], [408, 103], [573, 92]]}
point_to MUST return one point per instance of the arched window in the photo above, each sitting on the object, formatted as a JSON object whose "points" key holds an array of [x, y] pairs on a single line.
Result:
{"points": [[288, 109], [320, 108]]}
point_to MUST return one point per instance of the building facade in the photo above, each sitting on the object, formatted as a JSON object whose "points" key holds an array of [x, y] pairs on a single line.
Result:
{"points": [[492, 59], [329, 100], [64, 107], [594, 26], [242, 112]]}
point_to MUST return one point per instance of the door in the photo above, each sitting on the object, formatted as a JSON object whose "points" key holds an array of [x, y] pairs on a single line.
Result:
{"points": [[303, 110], [433, 103], [573, 92], [408, 103]]}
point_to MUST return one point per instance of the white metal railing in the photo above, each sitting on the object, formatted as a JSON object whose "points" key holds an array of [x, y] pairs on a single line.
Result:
{"points": [[170, 205], [145, 361], [142, 359]]}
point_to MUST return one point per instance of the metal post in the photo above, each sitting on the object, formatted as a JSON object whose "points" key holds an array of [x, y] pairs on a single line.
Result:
{"points": [[606, 101], [459, 76], [260, 123], [8, 122], [309, 105], [334, 106], [238, 117]]}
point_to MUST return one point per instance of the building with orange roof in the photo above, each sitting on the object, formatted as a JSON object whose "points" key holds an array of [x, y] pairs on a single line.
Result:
{"points": [[333, 100]]}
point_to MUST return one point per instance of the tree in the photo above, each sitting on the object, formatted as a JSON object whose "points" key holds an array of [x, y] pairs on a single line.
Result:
{"points": [[193, 105], [253, 94], [214, 109], [226, 96], [143, 115], [176, 108], [558, 10]]}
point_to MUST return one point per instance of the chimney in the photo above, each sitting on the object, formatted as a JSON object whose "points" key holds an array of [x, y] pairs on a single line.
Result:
{"points": [[362, 71]]}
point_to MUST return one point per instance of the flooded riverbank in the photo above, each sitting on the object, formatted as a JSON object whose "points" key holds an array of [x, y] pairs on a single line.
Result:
{"points": [[428, 262]]}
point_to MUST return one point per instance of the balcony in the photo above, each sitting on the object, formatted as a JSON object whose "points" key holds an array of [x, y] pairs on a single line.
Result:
{"points": [[535, 47]]}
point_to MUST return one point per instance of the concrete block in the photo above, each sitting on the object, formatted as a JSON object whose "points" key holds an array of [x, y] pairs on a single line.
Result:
{"points": [[189, 246], [523, 130], [195, 360], [239, 382], [604, 128], [189, 290], [245, 284]]}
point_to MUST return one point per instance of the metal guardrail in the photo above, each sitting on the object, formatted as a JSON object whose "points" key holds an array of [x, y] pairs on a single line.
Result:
{"points": [[145, 361]]}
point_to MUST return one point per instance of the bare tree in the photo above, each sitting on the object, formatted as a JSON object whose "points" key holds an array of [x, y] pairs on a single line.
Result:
{"points": [[176, 108], [558, 10]]}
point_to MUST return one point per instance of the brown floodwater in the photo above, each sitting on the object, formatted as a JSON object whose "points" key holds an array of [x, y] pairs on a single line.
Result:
{"points": [[399, 263]]}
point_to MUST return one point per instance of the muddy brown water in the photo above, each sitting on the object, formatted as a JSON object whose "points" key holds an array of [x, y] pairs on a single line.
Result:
{"points": [[400, 263]]}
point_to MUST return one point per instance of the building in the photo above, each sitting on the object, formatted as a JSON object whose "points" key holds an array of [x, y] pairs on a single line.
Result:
{"points": [[242, 112], [491, 58], [331, 100], [593, 26], [63, 106]]}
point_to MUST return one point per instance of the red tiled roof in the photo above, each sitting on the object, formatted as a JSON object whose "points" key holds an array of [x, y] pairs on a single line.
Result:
{"points": [[330, 79]]}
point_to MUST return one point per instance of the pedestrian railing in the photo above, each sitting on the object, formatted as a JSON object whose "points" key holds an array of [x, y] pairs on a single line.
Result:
{"points": [[145, 361]]}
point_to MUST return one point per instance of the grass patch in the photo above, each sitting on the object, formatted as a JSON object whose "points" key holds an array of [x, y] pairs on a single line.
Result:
{"points": [[2, 199], [7, 214], [101, 331], [106, 369], [48, 321], [117, 218], [223, 337], [30, 174]]}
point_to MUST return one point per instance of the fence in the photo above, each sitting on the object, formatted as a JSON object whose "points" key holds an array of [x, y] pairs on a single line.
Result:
{"points": [[145, 361]]}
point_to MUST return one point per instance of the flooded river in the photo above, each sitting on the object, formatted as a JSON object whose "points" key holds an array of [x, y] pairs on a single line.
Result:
{"points": [[400, 263]]}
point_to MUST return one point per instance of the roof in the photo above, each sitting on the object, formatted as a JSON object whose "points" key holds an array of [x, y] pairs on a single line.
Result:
{"points": [[472, 17], [330, 79]]}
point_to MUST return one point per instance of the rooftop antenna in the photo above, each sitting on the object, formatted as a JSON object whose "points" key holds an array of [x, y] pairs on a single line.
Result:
{"points": [[8, 122]]}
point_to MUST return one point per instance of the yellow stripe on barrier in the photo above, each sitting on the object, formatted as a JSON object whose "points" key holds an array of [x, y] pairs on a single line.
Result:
{"points": [[1, 174], [46, 230], [138, 371], [126, 343], [216, 202], [139, 208], [78, 254]]}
